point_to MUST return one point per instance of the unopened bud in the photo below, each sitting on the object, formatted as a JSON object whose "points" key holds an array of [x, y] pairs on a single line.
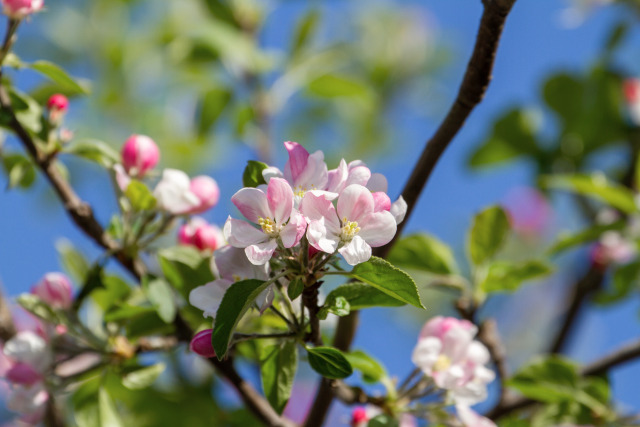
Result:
{"points": [[201, 344], [23, 373], [58, 105], [206, 190], [20, 9], [199, 233], [54, 289], [139, 155]]}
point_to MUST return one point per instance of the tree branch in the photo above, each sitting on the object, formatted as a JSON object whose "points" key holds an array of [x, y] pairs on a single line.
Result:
{"points": [[601, 366], [472, 89]]}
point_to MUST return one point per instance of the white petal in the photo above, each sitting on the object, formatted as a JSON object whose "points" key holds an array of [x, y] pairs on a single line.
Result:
{"points": [[378, 228], [320, 238], [377, 182], [241, 234], [208, 297], [399, 209], [356, 251], [271, 172], [294, 230], [261, 253], [252, 203]]}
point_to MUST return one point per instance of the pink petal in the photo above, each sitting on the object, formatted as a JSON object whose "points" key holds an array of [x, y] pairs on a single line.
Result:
{"points": [[240, 234], [252, 203], [315, 174], [356, 251], [381, 202], [337, 177], [280, 199], [377, 182], [359, 175], [297, 162], [377, 229], [261, 253], [294, 230], [354, 203], [316, 205], [201, 344], [320, 238], [23, 373]]}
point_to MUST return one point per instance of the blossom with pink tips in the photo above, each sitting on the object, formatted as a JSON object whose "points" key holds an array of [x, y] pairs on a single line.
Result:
{"points": [[273, 211], [232, 265], [199, 233], [201, 344], [29, 348], [23, 374], [631, 89], [447, 352], [352, 227], [29, 401], [174, 194], [140, 154], [613, 248], [470, 418], [206, 190], [54, 289], [20, 9], [344, 175]]}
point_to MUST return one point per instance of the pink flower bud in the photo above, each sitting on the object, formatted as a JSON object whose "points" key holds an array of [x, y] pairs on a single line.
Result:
{"points": [[201, 344], [23, 373], [19, 9], [55, 290], [199, 233], [58, 102], [381, 202], [359, 417], [206, 190], [139, 155], [631, 88]]}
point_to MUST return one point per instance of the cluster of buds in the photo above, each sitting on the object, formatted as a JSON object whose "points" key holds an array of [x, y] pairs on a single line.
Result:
{"points": [[199, 233], [448, 354], [20, 9], [26, 358]]}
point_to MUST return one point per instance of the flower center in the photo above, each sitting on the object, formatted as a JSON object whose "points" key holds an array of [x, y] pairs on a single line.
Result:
{"points": [[442, 364], [349, 230], [269, 227], [300, 190]]}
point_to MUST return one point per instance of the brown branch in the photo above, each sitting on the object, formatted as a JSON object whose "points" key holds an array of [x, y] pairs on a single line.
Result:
{"points": [[472, 89], [579, 295], [7, 327], [601, 366], [489, 336]]}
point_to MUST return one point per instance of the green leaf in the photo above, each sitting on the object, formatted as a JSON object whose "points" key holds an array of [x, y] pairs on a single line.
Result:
{"points": [[235, 303], [596, 186], [161, 297], [37, 307], [337, 305], [295, 288], [329, 362], [95, 151], [333, 86], [423, 252], [127, 312], [92, 282], [388, 279], [625, 279], [383, 420], [488, 233], [507, 276], [143, 378], [372, 370], [210, 108], [108, 413], [553, 379], [305, 28], [20, 170], [185, 268], [252, 175], [513, 135], [278, 365], [569, 240], [27, 110], [140, 196], [360, 295], [73, 260], [114, 291], [58, 76]]}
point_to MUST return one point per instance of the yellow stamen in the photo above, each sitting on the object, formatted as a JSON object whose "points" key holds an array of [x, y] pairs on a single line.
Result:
{"points": [[442, 364], [269, 226], [349, 229]]}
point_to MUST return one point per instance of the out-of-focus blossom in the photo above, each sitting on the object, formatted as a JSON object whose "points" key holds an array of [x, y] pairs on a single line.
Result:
{"points": [[447, 352], [232, 265], [30, 348], [352, 227], [174, 194], [579, 10], [612, 248], [273, 211], [470, 418], [631, 88], [201, 344], [361, 415], [407, 420], [528, 210], [29, 401], [54, 289], [206, 190], [58, 105], [140, 154], [199, 233], [20, 9]]}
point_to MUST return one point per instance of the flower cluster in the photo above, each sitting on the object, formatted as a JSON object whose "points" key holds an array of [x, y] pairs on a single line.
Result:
{"points": [[20, 9], [447, 353], [344, 210]]}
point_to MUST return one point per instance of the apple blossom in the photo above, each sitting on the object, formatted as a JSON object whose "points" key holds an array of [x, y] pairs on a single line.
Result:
{"points": [[232, 265], [344, 175], [631, 88], [201, 344], [58, 105], [352, 228], [55, 290], [273, 211], [612, 248], [470, 418], [23, 374], [28, 400], [20, 9], [447, 352], [30, 348], [174, 194], [140, 154], [199, 233], [206, 190]]}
